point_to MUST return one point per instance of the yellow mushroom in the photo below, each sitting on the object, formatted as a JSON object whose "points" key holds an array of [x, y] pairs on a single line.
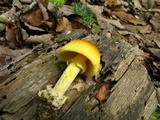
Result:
{"points": [[82, 57]]}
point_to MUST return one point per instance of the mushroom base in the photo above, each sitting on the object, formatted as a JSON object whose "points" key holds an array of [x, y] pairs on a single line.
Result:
{"points": [[53, 97]]}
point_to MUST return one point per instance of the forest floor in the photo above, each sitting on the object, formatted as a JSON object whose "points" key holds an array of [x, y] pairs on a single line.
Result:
{"points": [[26, 23]]}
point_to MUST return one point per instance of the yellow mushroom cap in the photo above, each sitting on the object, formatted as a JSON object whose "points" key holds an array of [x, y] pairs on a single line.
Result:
{"points": [[85, 48]]}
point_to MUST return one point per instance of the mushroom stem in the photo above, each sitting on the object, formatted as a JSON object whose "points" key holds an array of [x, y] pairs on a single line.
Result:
{"points": [[56, 95], [66, 78]]}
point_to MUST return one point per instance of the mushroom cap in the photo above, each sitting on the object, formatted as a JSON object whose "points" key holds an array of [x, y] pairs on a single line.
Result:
{"points": [[85, 48]]}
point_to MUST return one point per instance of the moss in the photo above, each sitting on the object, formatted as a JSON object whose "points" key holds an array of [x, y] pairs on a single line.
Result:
{"points": [[155, 115], [116, 36]]}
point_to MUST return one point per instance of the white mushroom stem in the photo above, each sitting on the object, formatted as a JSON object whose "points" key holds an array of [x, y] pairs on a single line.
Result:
{"points": [[56, 95]]}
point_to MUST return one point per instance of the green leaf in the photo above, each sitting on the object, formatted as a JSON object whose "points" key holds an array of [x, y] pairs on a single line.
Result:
{"points": [[60, 2]]}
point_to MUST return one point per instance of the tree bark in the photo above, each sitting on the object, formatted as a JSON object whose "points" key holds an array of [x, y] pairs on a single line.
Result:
{"points": [[132, 95]]}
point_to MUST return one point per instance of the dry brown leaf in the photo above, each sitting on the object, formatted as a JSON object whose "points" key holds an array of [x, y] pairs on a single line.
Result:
{"points": [[10, 14], [24, 34], [128, 18], [155, 21], [17, 4], [13, 34], [125, 32], [43, 5], [64, 25], [116, 23], [39, 38], [77, 22], [11, 37], [33, 17], [146, 29], [112, 4], [157, 42], [137, 4], [155, 52], [102, 93], [66, 10], [43, 2], [32, 27], [140, 54], [154, 10], [148, 3], [157, 65], [49, 24], [7, 55], [97, 10]]}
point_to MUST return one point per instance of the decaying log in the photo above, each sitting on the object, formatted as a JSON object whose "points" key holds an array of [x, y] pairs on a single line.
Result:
{"points": [[132, 95]]}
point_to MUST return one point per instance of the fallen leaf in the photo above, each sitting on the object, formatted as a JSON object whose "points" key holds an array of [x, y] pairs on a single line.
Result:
{"points": [[43, 6], [140, 54], [102, 93], [11, 37], [18, 33], [43, 2], [137, 4], [24, 34], [157, 2], [153, 68], [33, 17], [17, 4], [157, 65], [39, 38], [97, 10], [155, 52], [134, 41], [125, 32], [128, 18], [66, 10], [7, 55], [115, 23], [2, 59], [113, 4], [105, 26], [155, 21], [146, 29], [133, 28], [154, 10], [48, 23], [77, 22], [33, 28], [157, 41], [10, 14], [64, 25], [148, 3]]}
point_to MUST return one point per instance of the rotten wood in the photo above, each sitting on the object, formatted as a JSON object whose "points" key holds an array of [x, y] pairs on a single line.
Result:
{"points": [[132, 95]]}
